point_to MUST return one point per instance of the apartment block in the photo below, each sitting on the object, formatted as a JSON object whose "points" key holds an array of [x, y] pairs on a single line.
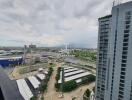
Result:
{"points": [[114, 59]]}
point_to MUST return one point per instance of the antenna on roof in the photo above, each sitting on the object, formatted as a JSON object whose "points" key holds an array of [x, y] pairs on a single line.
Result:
{"points": [[113, 3], [116, 2]]}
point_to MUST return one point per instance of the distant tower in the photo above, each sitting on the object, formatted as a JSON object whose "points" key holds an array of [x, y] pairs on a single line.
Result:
{"points": [[113, 3], [66, 47]]}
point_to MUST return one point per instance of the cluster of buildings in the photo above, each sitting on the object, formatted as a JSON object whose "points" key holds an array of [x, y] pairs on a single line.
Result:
{"points": [[72, 73], [114, 58], [114, 62], [21, 89], [10, 52], [30, 86]]}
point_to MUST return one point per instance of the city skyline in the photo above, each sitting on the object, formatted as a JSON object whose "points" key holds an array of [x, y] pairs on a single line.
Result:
{"points": [[51, 23]]}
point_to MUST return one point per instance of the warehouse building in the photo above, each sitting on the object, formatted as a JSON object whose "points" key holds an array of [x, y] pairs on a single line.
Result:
{"points": [[10, 61], [8, 88]]}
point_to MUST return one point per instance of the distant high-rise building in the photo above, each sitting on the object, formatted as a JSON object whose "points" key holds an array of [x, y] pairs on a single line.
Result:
{"points": [[102, 60], [31, 46], [114, 59]]}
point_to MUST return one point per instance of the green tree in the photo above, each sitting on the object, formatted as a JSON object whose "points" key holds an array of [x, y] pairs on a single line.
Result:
{"points": [[69, 86], [43, 87], [33, 98]]}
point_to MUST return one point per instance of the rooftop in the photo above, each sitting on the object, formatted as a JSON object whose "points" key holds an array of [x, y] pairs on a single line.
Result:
{"points": [[107, 16], [9, 87]]}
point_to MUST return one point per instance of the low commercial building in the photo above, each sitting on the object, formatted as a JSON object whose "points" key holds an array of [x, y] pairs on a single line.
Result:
{"points": [[24, 89], [34, 84], [9, 61]]}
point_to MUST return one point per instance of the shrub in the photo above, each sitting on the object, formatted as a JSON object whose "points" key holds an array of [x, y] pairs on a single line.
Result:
{"points": [[58, 74], [43, 87], [74, 98], [87, 93], [33, 98], [94, 89], [57, 85], [50, 71], [69, 86], [57, 77]]}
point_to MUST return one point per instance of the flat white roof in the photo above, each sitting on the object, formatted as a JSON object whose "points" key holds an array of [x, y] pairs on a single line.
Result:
{"points": [[72, 73], [33, 80], [77, 76], [40, 69], [24, 89], [60, 80], [41, 76], [70, 70], [46, 72], [65, 68], [3, 58], [79, 80]]}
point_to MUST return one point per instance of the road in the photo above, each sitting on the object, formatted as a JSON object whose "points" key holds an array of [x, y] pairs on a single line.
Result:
{"points": [[51, 93]]}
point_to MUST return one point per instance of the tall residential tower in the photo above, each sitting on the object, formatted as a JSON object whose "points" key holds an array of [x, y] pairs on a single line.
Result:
{"points": [[114, 60]]}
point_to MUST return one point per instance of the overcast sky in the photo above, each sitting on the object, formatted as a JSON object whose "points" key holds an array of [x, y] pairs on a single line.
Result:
{"points": [[51, 22]]}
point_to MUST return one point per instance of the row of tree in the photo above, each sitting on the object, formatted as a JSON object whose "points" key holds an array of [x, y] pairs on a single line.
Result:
{"points": [[88, 79], [57, 85], [69, 86]]}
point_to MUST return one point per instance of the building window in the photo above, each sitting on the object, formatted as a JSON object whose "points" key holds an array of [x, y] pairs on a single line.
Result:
{"points": [[126, 31], [127, 22], [126, 35], [127, 26]]}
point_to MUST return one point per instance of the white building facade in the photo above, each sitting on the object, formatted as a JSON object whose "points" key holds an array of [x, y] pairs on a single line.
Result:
{"points": [[114, 60]]}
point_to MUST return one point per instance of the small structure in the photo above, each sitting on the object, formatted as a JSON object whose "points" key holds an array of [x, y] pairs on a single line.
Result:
{"points": [[40, 69], [92, 96], [78, 81], [34, 84], [41, 76], [60, 80], [33, 80], [46, 72]]}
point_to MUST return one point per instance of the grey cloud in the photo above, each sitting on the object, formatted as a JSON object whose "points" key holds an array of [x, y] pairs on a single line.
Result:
{"points": [[5, 4], [51, 22]]}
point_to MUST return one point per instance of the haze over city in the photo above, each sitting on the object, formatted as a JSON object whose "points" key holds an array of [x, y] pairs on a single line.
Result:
{"points": [[51, 22]]}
